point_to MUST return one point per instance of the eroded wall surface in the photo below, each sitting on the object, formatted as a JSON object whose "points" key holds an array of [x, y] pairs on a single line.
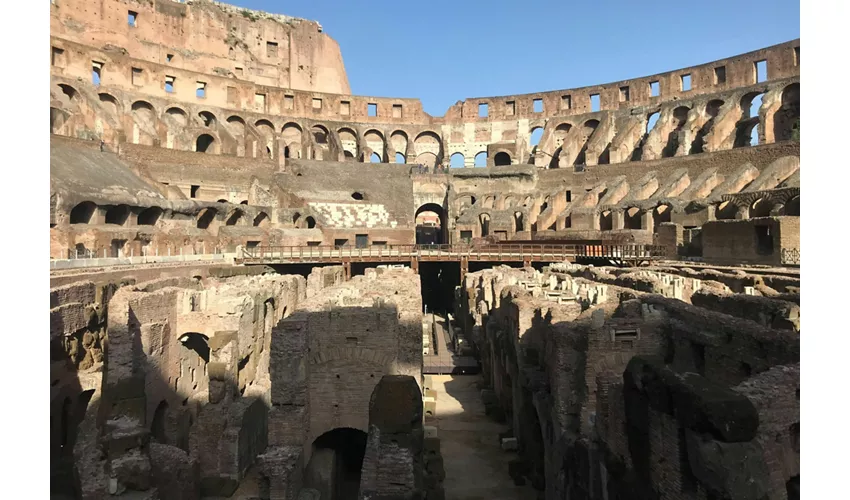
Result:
{"points": [[658, 383]]}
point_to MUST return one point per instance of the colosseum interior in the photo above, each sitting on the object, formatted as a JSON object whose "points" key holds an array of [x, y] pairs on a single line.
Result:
{"points": [[266, 288]]}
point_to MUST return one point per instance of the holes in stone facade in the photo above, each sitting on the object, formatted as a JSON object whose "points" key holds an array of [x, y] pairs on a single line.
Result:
{"points": [[720, 75], [760, 70], [624, 94], [594, 103], [566, 102], [372, 109], [537, 105], [169, 84], [118, 215], [654, 89], [206, 217], [483, 110], [357, 196], [83, 213], [204, 143], [96, 72], [132, 18], [686, 82], [150, 216], [271, 49], [501, 159], [481, 159]]}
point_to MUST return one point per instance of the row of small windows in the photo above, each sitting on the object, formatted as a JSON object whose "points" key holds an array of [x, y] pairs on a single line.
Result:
{"points": [[685, 85]]}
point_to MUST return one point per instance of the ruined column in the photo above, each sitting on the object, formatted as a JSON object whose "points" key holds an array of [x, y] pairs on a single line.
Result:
{"points": [[393, 462]]}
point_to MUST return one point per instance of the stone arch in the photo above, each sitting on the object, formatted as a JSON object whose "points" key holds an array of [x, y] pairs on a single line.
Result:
{"points": [[786, 120], [762, 207], [206, 217], [348, 139], [261, 220], [457, 160], [206, 143], [150, 216], [196, 342], [519, 222], [427, 159], [424, 233], [234, 218], [501, 159], [71, 94], [632, 218], [176, 116], [118, 215], [660, 214], [320, 134], [374, 141], [484, 223], [587, 130], [746, 133], [429, 142], [208, 119], [266, 130], [292, 134], [680, 117], [725, 210], [345, 449], [82, 213], [109, 103], [399, 142], [606, 220], [792, 206], [144, 123], [310, 222], [712, 109], [480, 160]]}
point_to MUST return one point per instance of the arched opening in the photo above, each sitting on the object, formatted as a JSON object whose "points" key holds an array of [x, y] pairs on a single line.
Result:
{"points": [[631, 218], [158, 423], [481, 159], [108, 103], [286, 152], [310, 222], [398, 139], [606, 221], [374, 158], [427, 159], [661, 214], [336, 462], [747, 133], [430, 224], [150, 216], [204, 143], [234, 218], [786, 120], [428, 142], [712, 109], [207, 118], [457, 160], [261, 220], [651, 121], [680, 117], [357, 195], [197, 342], [587, 131], [792, 207], [484, 220], [347, 154], [519, 222], [82, 213], [69, 91], [725, 211], [501, 159], [295, 217], [320, 134], [118, 215], [761, 208], [536, 135], [206, 217], [399, 158], [375, 141]]}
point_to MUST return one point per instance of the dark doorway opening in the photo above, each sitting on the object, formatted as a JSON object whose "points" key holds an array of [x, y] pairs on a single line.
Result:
{"points": [[336, 463], [438, 281]]}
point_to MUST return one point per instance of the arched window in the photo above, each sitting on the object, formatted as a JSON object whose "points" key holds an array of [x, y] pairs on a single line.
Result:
{"points": [[631, 218], [206, 217], [484, 219], [375, 158], [502, 158], [457, 160], [481, 159], [261, 220], [519, 223], [204, 143], [82, 213], [234, 218], [310, 222], [399, 158], [536, 135]]}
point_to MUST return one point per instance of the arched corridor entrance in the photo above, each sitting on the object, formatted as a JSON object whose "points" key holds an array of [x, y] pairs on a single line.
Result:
{"points": [[336, 462], [430, 225]]}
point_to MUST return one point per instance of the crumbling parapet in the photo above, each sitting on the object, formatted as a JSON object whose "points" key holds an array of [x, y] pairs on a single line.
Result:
{"points": [[393, 465]]}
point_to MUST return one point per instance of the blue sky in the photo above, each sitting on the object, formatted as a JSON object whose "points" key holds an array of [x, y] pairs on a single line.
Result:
{"points": [[443, 51]]}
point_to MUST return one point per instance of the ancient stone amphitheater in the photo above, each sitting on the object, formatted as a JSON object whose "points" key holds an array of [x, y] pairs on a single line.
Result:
{"points": [[264, 287]]}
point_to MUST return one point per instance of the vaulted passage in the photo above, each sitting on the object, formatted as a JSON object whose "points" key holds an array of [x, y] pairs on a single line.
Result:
{"points": [[336, 462]]}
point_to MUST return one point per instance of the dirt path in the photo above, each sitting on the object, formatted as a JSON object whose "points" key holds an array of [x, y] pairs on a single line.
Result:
{"points": [[476, 467]]}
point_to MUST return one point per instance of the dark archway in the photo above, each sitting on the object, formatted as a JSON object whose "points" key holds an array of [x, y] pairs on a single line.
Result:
{"points": [[336, 463], [661, 214], [606, 221], [786, 120], [519, 222], [118, 215], [197, 342], [725, 211], [793, 206], [484, 219], [234, 218], [83, 213], [206, 217], [631, 218], [430, 220], [150, 216], [310, 222], [158, 423], [204, 143], [501, 159], [261, 220]]}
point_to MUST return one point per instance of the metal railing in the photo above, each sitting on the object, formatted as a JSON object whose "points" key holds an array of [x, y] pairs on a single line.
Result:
{"points": [[400, 253]]}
